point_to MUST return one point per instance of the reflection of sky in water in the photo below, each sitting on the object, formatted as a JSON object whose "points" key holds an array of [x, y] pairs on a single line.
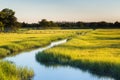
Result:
{"points": [[51, 73]]}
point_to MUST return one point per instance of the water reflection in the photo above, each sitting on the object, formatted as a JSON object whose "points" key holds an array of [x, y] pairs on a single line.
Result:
{"points": [[92, 74]]}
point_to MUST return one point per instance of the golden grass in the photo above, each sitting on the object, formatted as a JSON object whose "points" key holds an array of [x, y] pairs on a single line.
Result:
{"points": [[9, 71], [11, 43], [92, 48], [15, 42], [99, 49]]}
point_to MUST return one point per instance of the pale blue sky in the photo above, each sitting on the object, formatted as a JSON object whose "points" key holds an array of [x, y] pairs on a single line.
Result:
{"points": [[64, 10]]}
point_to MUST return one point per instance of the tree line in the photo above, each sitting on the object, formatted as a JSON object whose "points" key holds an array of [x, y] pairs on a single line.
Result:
{"points": [[8, 22], [44, 24]]}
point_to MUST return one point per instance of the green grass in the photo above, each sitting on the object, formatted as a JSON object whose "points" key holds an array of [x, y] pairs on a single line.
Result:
{"points": [[97, 51], [13, 43], [9, 71]]}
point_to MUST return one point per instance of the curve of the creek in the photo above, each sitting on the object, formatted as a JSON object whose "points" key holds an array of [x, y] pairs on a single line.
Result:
{"points": [[43, 72]]}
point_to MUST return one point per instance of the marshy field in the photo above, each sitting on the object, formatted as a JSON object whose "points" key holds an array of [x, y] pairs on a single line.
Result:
{"points": [[13, 43], [94, 51]]}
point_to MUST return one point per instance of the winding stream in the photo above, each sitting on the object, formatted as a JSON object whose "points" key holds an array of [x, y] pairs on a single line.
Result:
{"points": [[43, 72]]}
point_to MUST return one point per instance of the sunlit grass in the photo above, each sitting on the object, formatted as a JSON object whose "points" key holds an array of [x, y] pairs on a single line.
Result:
{"points": [[97, 51], [9, 71], [12, 43]]}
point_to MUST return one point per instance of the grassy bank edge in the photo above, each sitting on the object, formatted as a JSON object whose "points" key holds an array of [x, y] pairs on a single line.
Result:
{"points": [[15, 48], [97, 68], [9, 71]]}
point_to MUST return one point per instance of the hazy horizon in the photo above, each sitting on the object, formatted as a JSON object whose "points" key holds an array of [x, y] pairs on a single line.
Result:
{"points": [[64, 10]]}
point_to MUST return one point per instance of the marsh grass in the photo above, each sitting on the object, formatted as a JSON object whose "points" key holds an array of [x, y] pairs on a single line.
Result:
{"points": [[13, 43], [9, 71], [96, 51]]}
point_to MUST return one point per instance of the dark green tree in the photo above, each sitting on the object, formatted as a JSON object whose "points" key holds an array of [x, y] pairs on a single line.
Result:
{"points": [[8, 19], [44, 23], [80, 25], [48, 24]]}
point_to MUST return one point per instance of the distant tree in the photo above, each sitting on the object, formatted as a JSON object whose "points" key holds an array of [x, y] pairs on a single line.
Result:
{"points": [[44, 23], [53, 24], [93, 25], [117, 24], [48, 24], [80, 25], [102, 24], [17, 26], [8, 19]]}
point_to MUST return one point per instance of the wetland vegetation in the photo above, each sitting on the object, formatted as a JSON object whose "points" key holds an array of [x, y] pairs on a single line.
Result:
{"points": [[9, 71], [97, 51], [13, 43]]}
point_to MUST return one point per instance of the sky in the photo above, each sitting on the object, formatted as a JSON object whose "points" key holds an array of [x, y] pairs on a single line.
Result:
{"points": [[64, 10]]}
